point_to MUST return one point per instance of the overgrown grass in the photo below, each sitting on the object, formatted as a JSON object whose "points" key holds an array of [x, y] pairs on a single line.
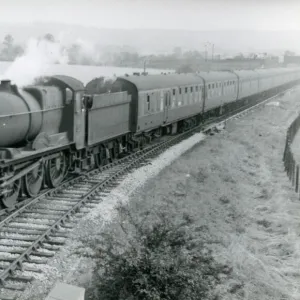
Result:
{"points": [[154, 256]]}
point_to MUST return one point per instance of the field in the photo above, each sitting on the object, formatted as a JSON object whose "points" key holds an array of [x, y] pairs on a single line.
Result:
{"points": [[234, 186]]}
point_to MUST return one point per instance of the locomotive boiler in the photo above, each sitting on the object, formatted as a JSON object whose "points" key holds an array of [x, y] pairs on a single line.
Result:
{"points": [[25, 113]]}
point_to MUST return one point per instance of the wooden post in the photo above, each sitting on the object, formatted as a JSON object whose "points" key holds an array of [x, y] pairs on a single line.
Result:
{"points": [[285, 149], [297, 179], [288, 162], [293, 172], [286, 159]]}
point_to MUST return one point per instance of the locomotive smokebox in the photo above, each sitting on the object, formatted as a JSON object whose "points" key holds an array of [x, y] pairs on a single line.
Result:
{"points": [[20, 115], [5, 85]]}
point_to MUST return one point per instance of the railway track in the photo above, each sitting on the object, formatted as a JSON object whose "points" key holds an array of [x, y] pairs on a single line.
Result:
{"points": [[35, 231]]}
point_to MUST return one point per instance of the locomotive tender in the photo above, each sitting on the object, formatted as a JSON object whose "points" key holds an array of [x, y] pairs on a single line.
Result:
{"points": [[57, 126]]}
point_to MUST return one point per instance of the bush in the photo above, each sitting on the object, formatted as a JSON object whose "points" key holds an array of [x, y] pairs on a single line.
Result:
{"points": [[152, 258], [185, 69]]}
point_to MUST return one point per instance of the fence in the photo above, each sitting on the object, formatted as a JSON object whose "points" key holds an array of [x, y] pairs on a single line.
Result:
{"points": [[290, 165]]}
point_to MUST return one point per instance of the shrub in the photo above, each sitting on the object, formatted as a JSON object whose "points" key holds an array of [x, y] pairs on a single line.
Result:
{"points": [[185, 69], [154, 257]]}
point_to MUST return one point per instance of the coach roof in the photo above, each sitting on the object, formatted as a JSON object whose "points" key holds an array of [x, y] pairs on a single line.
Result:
{"points": [[216, 76], [153, 82]]}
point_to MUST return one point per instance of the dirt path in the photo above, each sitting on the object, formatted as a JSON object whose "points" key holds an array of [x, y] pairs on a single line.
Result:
{"points": [[237, 191]]}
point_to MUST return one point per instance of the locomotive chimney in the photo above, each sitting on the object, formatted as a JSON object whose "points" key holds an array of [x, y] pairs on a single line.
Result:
{"points": [[5, 85]]}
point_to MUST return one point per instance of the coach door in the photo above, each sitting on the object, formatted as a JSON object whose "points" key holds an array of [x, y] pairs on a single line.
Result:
{"points": [[167, 103]]}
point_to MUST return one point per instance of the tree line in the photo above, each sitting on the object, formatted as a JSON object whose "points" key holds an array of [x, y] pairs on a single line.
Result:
{"points": [[117, 56], [122, 57]]}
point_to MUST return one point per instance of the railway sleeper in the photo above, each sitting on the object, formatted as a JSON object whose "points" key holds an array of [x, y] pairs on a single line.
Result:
{"points": [[61, 198], [74, 193], [43, 254], [80, 214], [35, 261], [96, 200], [10, 286], [19, 237], [7, 297], [67, 226], [49, 247], [36, 221], [22, 231], [57, 203], [35, 253], [44, 212], [30, 227], [85, 187], [58, 208], [23, 278], [39, 261], [34, 216], [91, 206], [34, 232]]}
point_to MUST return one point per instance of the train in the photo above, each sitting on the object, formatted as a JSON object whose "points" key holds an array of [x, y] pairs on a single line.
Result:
{"points": [[58, 126]]}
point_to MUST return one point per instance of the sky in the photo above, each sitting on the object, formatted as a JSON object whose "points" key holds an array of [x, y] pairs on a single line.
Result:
{"points": [[164, 14]]}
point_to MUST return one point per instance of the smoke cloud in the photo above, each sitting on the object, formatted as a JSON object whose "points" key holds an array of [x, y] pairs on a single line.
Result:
{"points": [[39, 55]]}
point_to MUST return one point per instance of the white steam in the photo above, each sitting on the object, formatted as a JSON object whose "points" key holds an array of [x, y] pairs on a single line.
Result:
{"points": [[38, 57]]}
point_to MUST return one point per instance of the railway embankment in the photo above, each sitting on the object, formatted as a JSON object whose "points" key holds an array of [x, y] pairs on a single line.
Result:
{"points": [[238, 195]]}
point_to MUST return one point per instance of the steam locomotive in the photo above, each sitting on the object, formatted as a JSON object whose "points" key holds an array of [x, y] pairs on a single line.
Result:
{"points": [[58, 125]]}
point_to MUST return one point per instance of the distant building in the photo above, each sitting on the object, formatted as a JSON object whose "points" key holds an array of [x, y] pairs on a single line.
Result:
{"points": [[292, 59]]}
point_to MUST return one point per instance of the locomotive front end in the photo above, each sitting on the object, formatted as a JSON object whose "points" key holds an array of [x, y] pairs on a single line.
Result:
{"points": [[20, 115], [27, 112]]}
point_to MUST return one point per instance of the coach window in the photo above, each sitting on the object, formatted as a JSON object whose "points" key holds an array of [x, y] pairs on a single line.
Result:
{"points": [[157, 96], [174, 98], [161, 100], [148, 102], [200, 93], [186, 90], [179, 97]]}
